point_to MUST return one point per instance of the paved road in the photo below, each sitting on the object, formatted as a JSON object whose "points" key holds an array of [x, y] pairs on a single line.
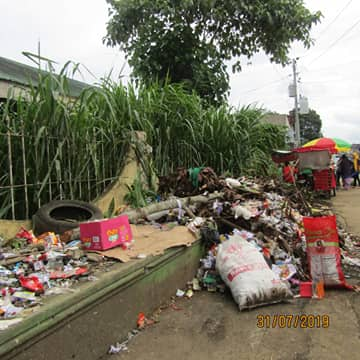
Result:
{"points": [[209, 326], [347, 205]]}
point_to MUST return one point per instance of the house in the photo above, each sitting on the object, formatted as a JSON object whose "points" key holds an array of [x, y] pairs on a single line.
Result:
{"points": [[281, 120], [18, 76]]}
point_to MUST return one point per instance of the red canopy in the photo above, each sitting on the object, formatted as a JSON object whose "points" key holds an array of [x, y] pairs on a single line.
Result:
{"points": [[319, 144]]}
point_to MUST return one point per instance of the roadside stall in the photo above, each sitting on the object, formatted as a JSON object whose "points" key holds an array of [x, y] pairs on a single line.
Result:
{"points": [[322, 173], [316, 156], [313, 166]]}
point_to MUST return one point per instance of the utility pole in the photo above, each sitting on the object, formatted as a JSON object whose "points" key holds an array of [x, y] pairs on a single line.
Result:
{"points": [[297, 122]]}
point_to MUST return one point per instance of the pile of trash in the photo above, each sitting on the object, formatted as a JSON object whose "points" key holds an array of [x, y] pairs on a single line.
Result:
{"points": [[189, 182], [350, 253], [269, 217], [34, 267]]}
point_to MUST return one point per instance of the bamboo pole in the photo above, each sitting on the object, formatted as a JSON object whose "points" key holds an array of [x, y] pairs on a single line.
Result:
{"points": [[23, 148], [11, 176]]}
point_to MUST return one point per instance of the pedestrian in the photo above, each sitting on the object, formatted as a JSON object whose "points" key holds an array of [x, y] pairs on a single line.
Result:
{"points": [[337, 172], [345, 167], [289, 173], [356, 168]]}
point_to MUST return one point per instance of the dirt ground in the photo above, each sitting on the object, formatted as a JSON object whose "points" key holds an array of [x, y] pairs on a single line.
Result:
{"points": [[347, 206], [209, 325]]}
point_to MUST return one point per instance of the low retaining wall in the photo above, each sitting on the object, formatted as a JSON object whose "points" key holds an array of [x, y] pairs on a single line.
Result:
{"points": [[84, 324]]}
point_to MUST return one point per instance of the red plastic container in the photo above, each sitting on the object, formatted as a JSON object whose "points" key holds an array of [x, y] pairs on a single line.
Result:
{"points": [[324, 180], [105, 234], [306, 289]]}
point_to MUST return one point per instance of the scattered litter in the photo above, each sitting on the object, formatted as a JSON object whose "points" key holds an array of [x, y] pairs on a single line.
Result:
{"points": [[59, 291], [180, 293], [196, 284], [143, 321], [119, 347], [175, 307], [34, 267], [24, 295], [284, 271]]}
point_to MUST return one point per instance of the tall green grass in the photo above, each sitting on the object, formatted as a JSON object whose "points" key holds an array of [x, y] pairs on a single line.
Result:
{"points": [[67, 138]]}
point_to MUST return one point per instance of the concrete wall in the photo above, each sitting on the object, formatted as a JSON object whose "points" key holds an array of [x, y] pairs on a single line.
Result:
{"points": [[6, 86], [117, 191]]}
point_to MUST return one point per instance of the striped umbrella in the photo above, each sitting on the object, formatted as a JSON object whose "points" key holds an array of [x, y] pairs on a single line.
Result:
{"points": [[334, 145]]}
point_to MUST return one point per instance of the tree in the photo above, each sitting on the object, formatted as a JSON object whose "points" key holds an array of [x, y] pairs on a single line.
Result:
{"points": [[190, 40], [310, 126]]}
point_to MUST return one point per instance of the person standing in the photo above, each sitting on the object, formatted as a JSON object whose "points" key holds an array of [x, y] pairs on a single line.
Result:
{"points": [[345, 167], [337, 171], [356, 168], [289, 173]]}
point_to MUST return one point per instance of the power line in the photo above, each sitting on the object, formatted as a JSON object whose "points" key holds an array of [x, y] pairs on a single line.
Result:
{"points": [[327, 68], [264, 86], [336, 17], [327, 27], [335, 42]]}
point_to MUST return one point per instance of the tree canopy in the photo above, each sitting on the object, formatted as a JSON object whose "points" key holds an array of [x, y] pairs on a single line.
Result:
{"points": [[310, 126], [189, 40]]}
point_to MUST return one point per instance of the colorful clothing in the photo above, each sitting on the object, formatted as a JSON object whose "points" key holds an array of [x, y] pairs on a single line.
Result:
{"points": [[288, 174]]}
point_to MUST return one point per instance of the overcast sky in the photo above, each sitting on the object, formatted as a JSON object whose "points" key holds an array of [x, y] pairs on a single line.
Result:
{"points": [[329, 71]]}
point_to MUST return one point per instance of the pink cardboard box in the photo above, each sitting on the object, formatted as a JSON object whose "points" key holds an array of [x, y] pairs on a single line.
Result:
{"points": [[105, 234]]}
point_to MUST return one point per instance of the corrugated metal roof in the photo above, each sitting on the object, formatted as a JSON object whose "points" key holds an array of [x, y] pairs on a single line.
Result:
{"points": [[22, 74], [276, 119]]}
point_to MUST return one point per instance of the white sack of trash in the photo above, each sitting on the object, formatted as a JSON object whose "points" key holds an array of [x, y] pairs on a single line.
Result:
{"points": [[245, 271]]}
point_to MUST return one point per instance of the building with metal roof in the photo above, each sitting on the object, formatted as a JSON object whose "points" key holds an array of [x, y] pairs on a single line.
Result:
{"points": [[20, 76]]}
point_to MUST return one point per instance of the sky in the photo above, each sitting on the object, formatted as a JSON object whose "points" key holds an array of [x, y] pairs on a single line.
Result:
{"points": [[329, 71]]}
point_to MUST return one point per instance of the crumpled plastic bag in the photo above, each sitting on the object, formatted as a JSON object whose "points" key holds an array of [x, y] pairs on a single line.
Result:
{"points": [[241, 211], [232, 183]]}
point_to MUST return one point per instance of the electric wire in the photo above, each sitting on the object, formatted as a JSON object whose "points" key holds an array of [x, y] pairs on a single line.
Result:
{"points": [[327, 27], [335, 18], [264, 86], [335, 42]]}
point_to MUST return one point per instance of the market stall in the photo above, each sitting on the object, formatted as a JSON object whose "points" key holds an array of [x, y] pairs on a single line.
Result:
{"points": [[315, 156]]}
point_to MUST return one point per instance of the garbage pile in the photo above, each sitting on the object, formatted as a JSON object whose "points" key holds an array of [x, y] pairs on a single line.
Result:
{"points": [[32, 268], [189, 182], [269, 217], [269, 222], [350, 253]]}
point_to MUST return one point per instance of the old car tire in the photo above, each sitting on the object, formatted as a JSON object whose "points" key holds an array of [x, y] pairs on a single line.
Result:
{"points": [[61, 215]]}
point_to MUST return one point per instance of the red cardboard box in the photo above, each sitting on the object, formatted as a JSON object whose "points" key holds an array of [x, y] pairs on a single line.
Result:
{"points": [[105, 234]]}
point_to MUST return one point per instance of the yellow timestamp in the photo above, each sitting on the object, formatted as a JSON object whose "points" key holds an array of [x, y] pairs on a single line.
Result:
{"points": [[309, 321]]}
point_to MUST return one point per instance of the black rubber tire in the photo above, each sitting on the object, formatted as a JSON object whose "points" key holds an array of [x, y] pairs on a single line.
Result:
{"points": [[59, 216]]}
